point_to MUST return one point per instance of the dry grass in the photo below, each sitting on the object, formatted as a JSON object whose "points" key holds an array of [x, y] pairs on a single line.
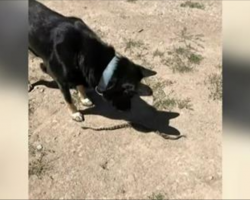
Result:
{"points": [[158, 53], [184, 104], [38, 166], [130, 44], [163, 101], [131, 1], [38, 161], [170, 103]]}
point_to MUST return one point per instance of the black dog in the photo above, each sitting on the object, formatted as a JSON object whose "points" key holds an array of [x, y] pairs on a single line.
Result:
{"points": [[74, 56]]}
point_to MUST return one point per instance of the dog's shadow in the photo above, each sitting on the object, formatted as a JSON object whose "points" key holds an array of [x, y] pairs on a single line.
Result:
{"points": [[142, 116]]}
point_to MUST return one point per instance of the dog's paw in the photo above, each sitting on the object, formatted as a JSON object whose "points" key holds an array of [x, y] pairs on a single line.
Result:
{"points": [[77, 117], [86, 102]]}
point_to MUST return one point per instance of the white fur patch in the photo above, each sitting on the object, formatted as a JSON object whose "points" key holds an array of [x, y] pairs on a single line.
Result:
{"points": [[77, 116], [86, 102]]}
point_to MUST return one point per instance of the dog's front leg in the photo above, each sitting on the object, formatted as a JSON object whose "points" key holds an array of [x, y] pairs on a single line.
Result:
{"points": [[75, 114], [83, 97]]}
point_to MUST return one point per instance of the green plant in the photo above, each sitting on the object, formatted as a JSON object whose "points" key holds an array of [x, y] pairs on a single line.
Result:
{"points": [[184, 55], [195, 58], [215, 81], [157, 196], [191, 4]]}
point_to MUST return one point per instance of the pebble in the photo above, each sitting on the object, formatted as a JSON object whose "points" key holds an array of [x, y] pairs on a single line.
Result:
{"points": [[42, 90], [39, 147]]}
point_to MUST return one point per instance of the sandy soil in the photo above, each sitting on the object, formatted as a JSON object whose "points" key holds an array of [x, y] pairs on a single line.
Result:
{"points": [[69, 162]]}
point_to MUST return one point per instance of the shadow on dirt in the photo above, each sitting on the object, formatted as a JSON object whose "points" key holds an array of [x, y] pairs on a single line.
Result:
{"points": [[49, 84], [142, 116], [141, 113]]}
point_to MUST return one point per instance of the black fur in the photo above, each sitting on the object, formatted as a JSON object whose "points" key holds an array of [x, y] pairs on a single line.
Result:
{"points": [[74, 55]]}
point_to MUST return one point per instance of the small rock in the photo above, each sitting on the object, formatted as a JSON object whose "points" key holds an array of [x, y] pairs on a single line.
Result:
{"points": [[105, 165], [39, 147], [211, 178], [42, 90]]}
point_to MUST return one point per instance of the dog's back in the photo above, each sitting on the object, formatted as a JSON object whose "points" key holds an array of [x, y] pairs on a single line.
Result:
{"points": [[42, 21]]}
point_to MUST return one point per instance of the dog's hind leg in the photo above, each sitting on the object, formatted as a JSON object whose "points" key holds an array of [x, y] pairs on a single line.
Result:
{"points": [[75, 114], [83, 97]]}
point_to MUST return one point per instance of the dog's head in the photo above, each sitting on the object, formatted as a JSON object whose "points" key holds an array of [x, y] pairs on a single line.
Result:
{"points": [[125, 83]]}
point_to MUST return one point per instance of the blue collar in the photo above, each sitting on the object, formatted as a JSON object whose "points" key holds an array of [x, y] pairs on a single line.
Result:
{"points": [[107, 75]]}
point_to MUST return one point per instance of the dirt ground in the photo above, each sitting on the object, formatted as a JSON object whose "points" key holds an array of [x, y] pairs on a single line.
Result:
{"points": [[69, 162]]}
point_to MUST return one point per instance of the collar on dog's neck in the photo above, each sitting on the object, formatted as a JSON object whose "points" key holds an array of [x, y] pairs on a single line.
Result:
{"points": [[107, 75]]}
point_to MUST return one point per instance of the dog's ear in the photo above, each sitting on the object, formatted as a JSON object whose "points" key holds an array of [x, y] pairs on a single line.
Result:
{"points": [[146, 72]]}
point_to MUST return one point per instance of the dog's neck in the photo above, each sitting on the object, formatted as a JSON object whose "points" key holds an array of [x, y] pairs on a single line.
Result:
{"points": [[107, 74]]}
